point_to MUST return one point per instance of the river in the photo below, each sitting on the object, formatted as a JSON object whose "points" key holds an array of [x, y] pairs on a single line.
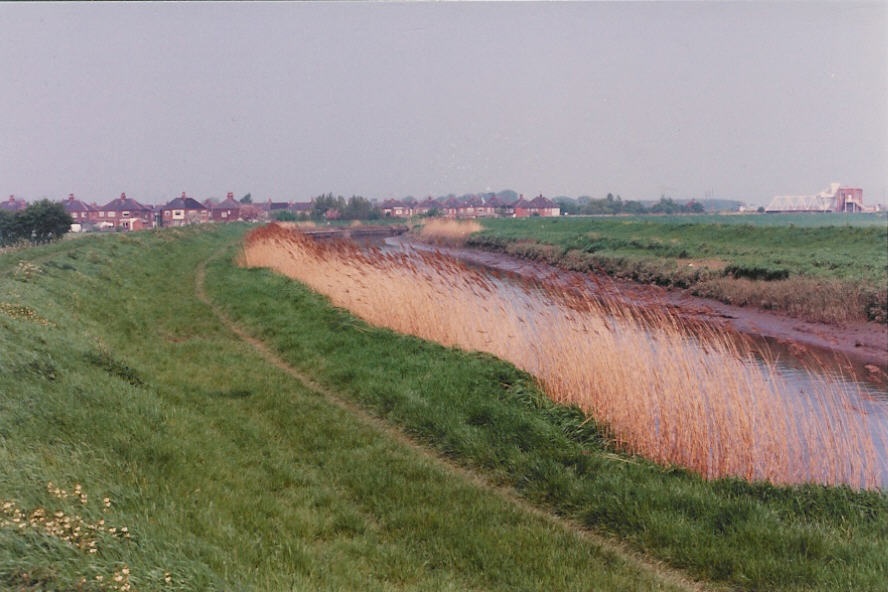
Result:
{"points": [[803, 366]]}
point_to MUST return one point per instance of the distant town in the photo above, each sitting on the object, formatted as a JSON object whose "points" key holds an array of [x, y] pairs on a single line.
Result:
{"points": [[126, 213]]}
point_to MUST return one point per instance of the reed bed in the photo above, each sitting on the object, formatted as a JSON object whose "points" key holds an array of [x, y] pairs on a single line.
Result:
{"points": [[678, 395], [446, 231]]}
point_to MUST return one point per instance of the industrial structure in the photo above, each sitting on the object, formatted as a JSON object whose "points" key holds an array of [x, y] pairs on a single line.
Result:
{"points": [[833, 199]]}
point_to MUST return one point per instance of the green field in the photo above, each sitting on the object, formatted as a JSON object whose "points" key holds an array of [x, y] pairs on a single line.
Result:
{"points": [[824, 267], [329, 455]]}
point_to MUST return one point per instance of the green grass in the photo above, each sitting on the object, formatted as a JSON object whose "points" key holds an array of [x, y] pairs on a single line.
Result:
{"points": [[230, 474], [845, 255], [843, 250]]}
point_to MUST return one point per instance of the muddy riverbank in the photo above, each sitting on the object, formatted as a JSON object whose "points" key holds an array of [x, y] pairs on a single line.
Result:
{"points": [[860, 348]]}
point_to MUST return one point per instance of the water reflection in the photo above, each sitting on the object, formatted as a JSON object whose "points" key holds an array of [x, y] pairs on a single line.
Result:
{"points": [[803, 374], [673, 389]]}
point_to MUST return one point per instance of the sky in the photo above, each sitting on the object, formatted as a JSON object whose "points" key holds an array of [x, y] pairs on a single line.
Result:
{"points": [[287, 101]]}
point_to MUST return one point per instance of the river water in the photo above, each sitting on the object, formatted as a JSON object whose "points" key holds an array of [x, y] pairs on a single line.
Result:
{"points": [[664, 384], [860, 401]]}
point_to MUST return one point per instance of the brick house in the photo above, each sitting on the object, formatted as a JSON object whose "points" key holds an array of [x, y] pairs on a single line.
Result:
{"points": [[538, 206], [301, 209], [393, 208], [477, 207], [13, 204], [268, 208], [426, 207], [450, 207], [225, 211], [124, 213], [183, 210], [501, 207], [81, 212]]}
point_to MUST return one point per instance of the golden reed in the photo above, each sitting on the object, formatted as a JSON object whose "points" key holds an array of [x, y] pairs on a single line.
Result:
{"points": [[677, 395]]}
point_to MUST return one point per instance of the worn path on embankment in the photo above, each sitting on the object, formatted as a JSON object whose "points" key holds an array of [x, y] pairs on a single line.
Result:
{"points": [[662, 572]]}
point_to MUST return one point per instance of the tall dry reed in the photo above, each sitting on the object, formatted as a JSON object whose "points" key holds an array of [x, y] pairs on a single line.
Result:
{"points": [[446, 231], [678, 397]]}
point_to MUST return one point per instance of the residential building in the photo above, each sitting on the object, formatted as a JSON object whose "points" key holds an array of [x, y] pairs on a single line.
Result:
{"points": [[124, 213], [224, 211], [267, 209], [538, 206], [82, 213], [393, 208], [183, 210], [13, 204], [302, 209]]}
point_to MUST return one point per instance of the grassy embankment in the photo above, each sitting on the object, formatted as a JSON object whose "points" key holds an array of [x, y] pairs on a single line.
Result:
{"points": [[818, 267], [231, 474], [707, 408], [133, 423]]}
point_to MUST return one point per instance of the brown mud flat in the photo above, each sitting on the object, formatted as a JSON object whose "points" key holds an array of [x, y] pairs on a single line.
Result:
{"points": [[858, 349]]}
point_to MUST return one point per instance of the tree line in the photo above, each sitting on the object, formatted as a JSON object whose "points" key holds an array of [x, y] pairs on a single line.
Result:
{"points": [[40, 222], [613, 205], [327, 207]]}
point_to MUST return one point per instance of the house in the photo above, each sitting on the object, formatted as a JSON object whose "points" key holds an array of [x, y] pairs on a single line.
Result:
{"points": [[393, 208], [124, 213], [427, 207], [301, 209], [225, 211], [250, 212], [501, 207], [476, 206], [538, 206], [268, 208], [81, 212], [451, 206], [13, 204], [183, 210]]}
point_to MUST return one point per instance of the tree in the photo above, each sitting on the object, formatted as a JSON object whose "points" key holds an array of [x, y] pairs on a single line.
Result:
{"points": [[247, 199], [568, 206], [359, 208], [46, 220], [8, 231], [284, 216], [39, 222], [696, 207], [666, 205], [327, 207]]}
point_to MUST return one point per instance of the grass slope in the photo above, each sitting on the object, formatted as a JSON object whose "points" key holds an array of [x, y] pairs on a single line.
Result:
{"points": [[227, 473], [230, 474], [768, 261]]}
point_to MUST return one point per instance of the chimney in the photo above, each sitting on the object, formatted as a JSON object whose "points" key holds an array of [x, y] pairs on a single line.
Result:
{"points": [[123, 196], [70, 197]]}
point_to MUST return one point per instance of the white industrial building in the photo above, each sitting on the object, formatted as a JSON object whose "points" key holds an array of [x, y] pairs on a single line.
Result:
{"points": [[834, 199]]}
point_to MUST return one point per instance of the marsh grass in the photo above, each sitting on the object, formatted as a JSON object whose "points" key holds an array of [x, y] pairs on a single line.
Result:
{"points": [[445, 231], [822, 268], [473, 408], [697, 402], [823, 300]]}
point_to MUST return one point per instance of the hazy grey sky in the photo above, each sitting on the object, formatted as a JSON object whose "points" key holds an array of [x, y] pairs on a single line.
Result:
{"points": [[290, 100]]}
